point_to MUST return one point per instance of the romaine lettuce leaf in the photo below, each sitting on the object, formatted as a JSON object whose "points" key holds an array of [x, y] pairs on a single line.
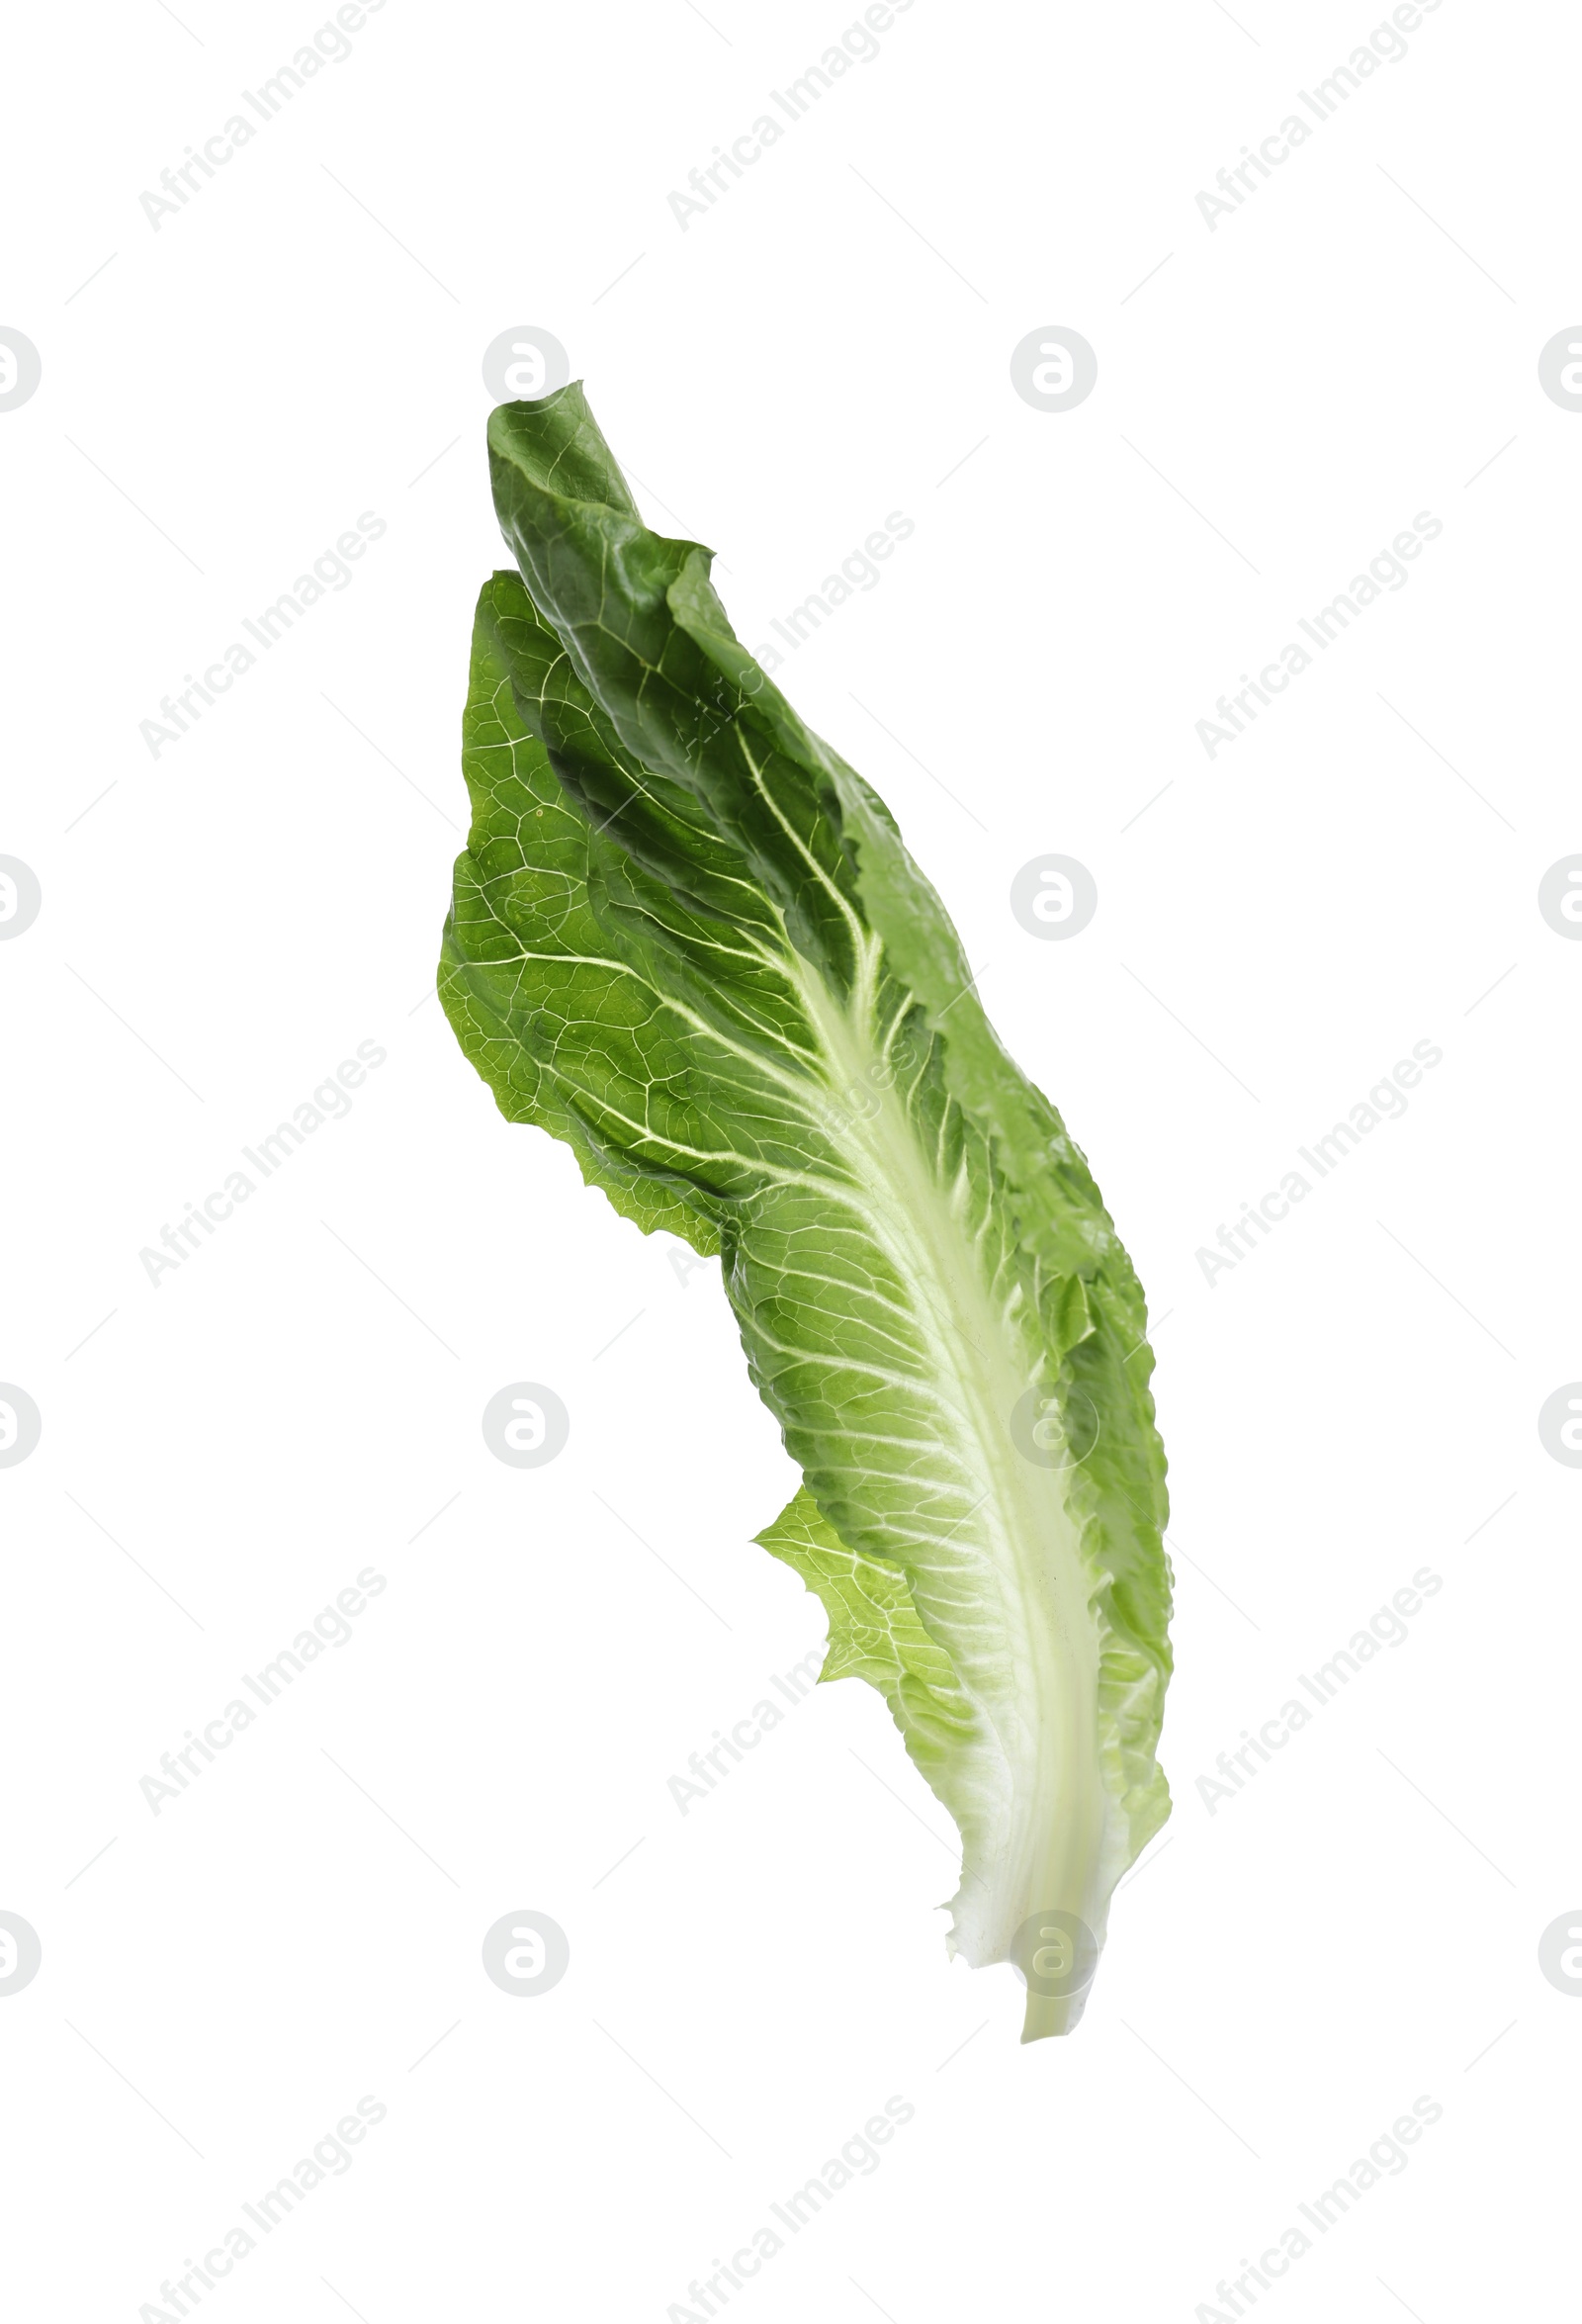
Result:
{"points": [[688, 939]]}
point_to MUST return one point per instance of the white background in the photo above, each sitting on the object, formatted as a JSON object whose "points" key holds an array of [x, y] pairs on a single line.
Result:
{"points": [[223, 1453]]}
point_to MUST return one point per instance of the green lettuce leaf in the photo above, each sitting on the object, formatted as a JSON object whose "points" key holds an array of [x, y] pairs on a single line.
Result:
{"points": [[686, 938]]}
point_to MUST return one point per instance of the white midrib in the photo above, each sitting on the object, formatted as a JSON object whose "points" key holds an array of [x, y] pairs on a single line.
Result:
{"points": [[1051, 1825]]}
